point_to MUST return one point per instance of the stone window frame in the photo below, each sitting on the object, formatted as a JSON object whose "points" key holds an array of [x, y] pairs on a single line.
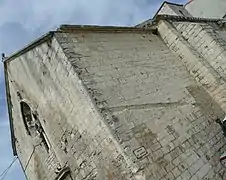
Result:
{"points": [[33, 116]]}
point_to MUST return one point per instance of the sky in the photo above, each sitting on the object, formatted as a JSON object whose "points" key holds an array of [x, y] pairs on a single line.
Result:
{"points": [[22, 21]]}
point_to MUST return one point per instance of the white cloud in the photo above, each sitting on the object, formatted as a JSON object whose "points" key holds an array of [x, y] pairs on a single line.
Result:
{"points": [[36, 14], [23, 20]]}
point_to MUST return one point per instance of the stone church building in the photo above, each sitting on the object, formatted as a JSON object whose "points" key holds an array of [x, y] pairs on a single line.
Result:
{"points": [[122, 103]]}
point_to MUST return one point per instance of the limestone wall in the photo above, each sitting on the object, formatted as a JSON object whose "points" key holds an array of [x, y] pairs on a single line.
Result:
{"points": [[37, 162], [209, 42], [162, 119], [74, 128], [211, 145], [120, 104], [207, 8]]}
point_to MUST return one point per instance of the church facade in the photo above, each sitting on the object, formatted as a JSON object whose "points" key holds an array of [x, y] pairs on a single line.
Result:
{"points": [[139, 103]]}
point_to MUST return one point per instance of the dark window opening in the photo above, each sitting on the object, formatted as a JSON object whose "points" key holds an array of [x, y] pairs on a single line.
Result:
{"points": [[27, 116]]}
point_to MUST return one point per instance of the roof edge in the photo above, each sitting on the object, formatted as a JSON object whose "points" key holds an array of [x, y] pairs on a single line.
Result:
{"points": [[156, 14], [173, 3], [189, 2], [189, 19], [165, 2], [91, 27], [85, 28], [9, 105], [30, 46], [152, 22], [68, 28]]}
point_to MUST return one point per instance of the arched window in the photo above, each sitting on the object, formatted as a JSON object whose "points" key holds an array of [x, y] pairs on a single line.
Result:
{"points": [[33, 125], [27, 116]]}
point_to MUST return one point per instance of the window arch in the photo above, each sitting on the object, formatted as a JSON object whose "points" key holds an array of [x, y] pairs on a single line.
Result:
{"points": [[26, 115], [32, 124]]}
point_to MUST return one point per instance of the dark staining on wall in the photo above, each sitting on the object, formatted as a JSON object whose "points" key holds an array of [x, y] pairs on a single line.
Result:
{"points": [[144, 135]]}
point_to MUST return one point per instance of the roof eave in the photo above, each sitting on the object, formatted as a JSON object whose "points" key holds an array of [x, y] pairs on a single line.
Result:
{"points": [[30, 46], [165, 2], [9, 105], [189, 2]]}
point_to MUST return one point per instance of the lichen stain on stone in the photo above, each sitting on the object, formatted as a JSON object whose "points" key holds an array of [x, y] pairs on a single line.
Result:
{"points": [[144, 135]]}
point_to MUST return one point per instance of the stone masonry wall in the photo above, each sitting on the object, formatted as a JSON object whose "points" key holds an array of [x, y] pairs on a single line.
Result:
{"points": [[120, 105], [76, 133], [208, 40], [37, 162], [210, 82], [161, 118]]}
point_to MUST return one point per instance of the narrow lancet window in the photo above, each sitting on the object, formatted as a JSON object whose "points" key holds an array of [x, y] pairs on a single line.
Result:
{"points": [[27, 116]]}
